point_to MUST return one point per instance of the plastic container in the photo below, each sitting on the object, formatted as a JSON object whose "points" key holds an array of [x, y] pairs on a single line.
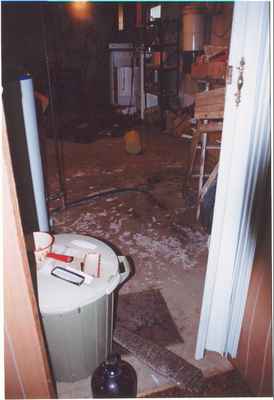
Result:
{"points": [[114, 378], [78, 320], [133, 142], [43, 242]]}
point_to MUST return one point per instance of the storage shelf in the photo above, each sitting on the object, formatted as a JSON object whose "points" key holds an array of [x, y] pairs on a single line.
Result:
{"points": [[165, 35], [165, 67], [159, 47]]}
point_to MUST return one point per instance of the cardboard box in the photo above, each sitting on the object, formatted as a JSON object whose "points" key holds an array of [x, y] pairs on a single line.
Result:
{"points": [[213, 70]]}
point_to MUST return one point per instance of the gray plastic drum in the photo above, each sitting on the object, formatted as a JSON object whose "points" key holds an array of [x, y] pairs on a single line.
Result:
{"points": [[78, 320]]}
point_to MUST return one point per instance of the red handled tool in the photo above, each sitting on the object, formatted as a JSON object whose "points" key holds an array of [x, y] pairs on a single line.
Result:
{"points": [[60, 257]]}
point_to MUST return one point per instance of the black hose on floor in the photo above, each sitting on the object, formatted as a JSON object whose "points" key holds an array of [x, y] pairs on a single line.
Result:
{"points": [[86, 199]]}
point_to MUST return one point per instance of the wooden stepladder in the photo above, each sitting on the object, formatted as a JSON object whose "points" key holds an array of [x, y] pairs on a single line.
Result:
{"points": [[209, 109]]}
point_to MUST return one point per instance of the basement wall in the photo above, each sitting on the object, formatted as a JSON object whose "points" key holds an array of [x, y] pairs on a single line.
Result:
{"points": [[254, 359]]}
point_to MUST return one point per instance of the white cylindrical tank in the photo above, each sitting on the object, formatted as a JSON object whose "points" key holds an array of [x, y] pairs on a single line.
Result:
{"points": [[193, 28], [32, 138]]}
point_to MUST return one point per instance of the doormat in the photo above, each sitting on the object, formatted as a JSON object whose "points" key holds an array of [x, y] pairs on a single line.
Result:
{"points": [[146, 314]]}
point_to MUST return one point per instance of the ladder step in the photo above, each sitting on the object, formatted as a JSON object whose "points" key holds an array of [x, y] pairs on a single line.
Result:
{"points": [[210, 147], [198, 176]]}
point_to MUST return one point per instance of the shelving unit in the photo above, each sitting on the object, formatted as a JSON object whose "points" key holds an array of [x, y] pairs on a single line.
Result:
{"points": [[161, 61]]}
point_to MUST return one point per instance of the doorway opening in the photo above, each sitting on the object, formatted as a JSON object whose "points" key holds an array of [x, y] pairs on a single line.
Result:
{"points": [[126, 152]]}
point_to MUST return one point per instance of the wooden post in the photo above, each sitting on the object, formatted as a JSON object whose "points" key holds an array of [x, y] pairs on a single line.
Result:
{"points": [[193, 150], [27, 373]]}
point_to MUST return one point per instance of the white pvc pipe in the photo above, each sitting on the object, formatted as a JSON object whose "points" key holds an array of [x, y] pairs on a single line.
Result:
{"points": [[32, 138]]}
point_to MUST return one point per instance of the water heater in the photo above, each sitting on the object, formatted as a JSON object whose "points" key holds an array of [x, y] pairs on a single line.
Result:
{"points": [[193, 28], [124, 76]]}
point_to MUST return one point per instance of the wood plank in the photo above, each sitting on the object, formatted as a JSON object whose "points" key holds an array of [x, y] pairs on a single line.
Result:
{"points": [[210, 107], [210, 96], [12, 377], [211, 126], [212, 51], [210, 104], [209, 182], [209, 114], [22, 323], [156, 390], [193, 151], [161, 360]]}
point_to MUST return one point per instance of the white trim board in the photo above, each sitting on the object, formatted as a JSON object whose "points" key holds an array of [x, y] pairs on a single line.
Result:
{"points": [[244, 157]]}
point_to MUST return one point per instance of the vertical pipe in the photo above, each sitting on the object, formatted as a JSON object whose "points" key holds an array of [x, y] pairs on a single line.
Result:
{"points": [[32, 138], [111, 70], [142, 97], [162, 101], [121, 22], [139, 11]]}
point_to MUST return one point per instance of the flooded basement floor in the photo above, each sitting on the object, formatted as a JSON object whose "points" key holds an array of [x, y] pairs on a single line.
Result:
{"points": [[155, 227]]}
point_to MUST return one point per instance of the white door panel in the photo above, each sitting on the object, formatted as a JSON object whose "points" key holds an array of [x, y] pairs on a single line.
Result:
{"points": [[243, 162]]}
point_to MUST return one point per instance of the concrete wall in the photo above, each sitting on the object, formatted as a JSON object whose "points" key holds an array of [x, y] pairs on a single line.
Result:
{"points": [[22, 40], [78, 52], [75, 42], [254, 359]]}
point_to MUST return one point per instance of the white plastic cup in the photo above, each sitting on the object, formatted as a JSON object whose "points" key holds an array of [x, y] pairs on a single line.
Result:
{"points": [[42, 246], [92, 264]]}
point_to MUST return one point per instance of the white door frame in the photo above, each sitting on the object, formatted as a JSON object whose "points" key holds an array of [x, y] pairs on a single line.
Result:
{"points": [[244, 158]]}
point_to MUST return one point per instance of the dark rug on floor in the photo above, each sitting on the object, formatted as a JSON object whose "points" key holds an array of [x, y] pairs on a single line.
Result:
{"points": [[146, 314], [159, 359], [229, 384]]}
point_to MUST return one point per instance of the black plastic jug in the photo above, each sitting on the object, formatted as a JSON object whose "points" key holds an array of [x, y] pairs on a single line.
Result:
{"points": [[114, 378]]}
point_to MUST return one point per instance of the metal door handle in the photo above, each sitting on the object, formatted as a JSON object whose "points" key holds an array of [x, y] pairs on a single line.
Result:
{"points": [[240, 82]]}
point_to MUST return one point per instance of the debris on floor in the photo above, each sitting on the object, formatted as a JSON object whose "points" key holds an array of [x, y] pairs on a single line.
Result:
{"points": [[155, 228]]}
